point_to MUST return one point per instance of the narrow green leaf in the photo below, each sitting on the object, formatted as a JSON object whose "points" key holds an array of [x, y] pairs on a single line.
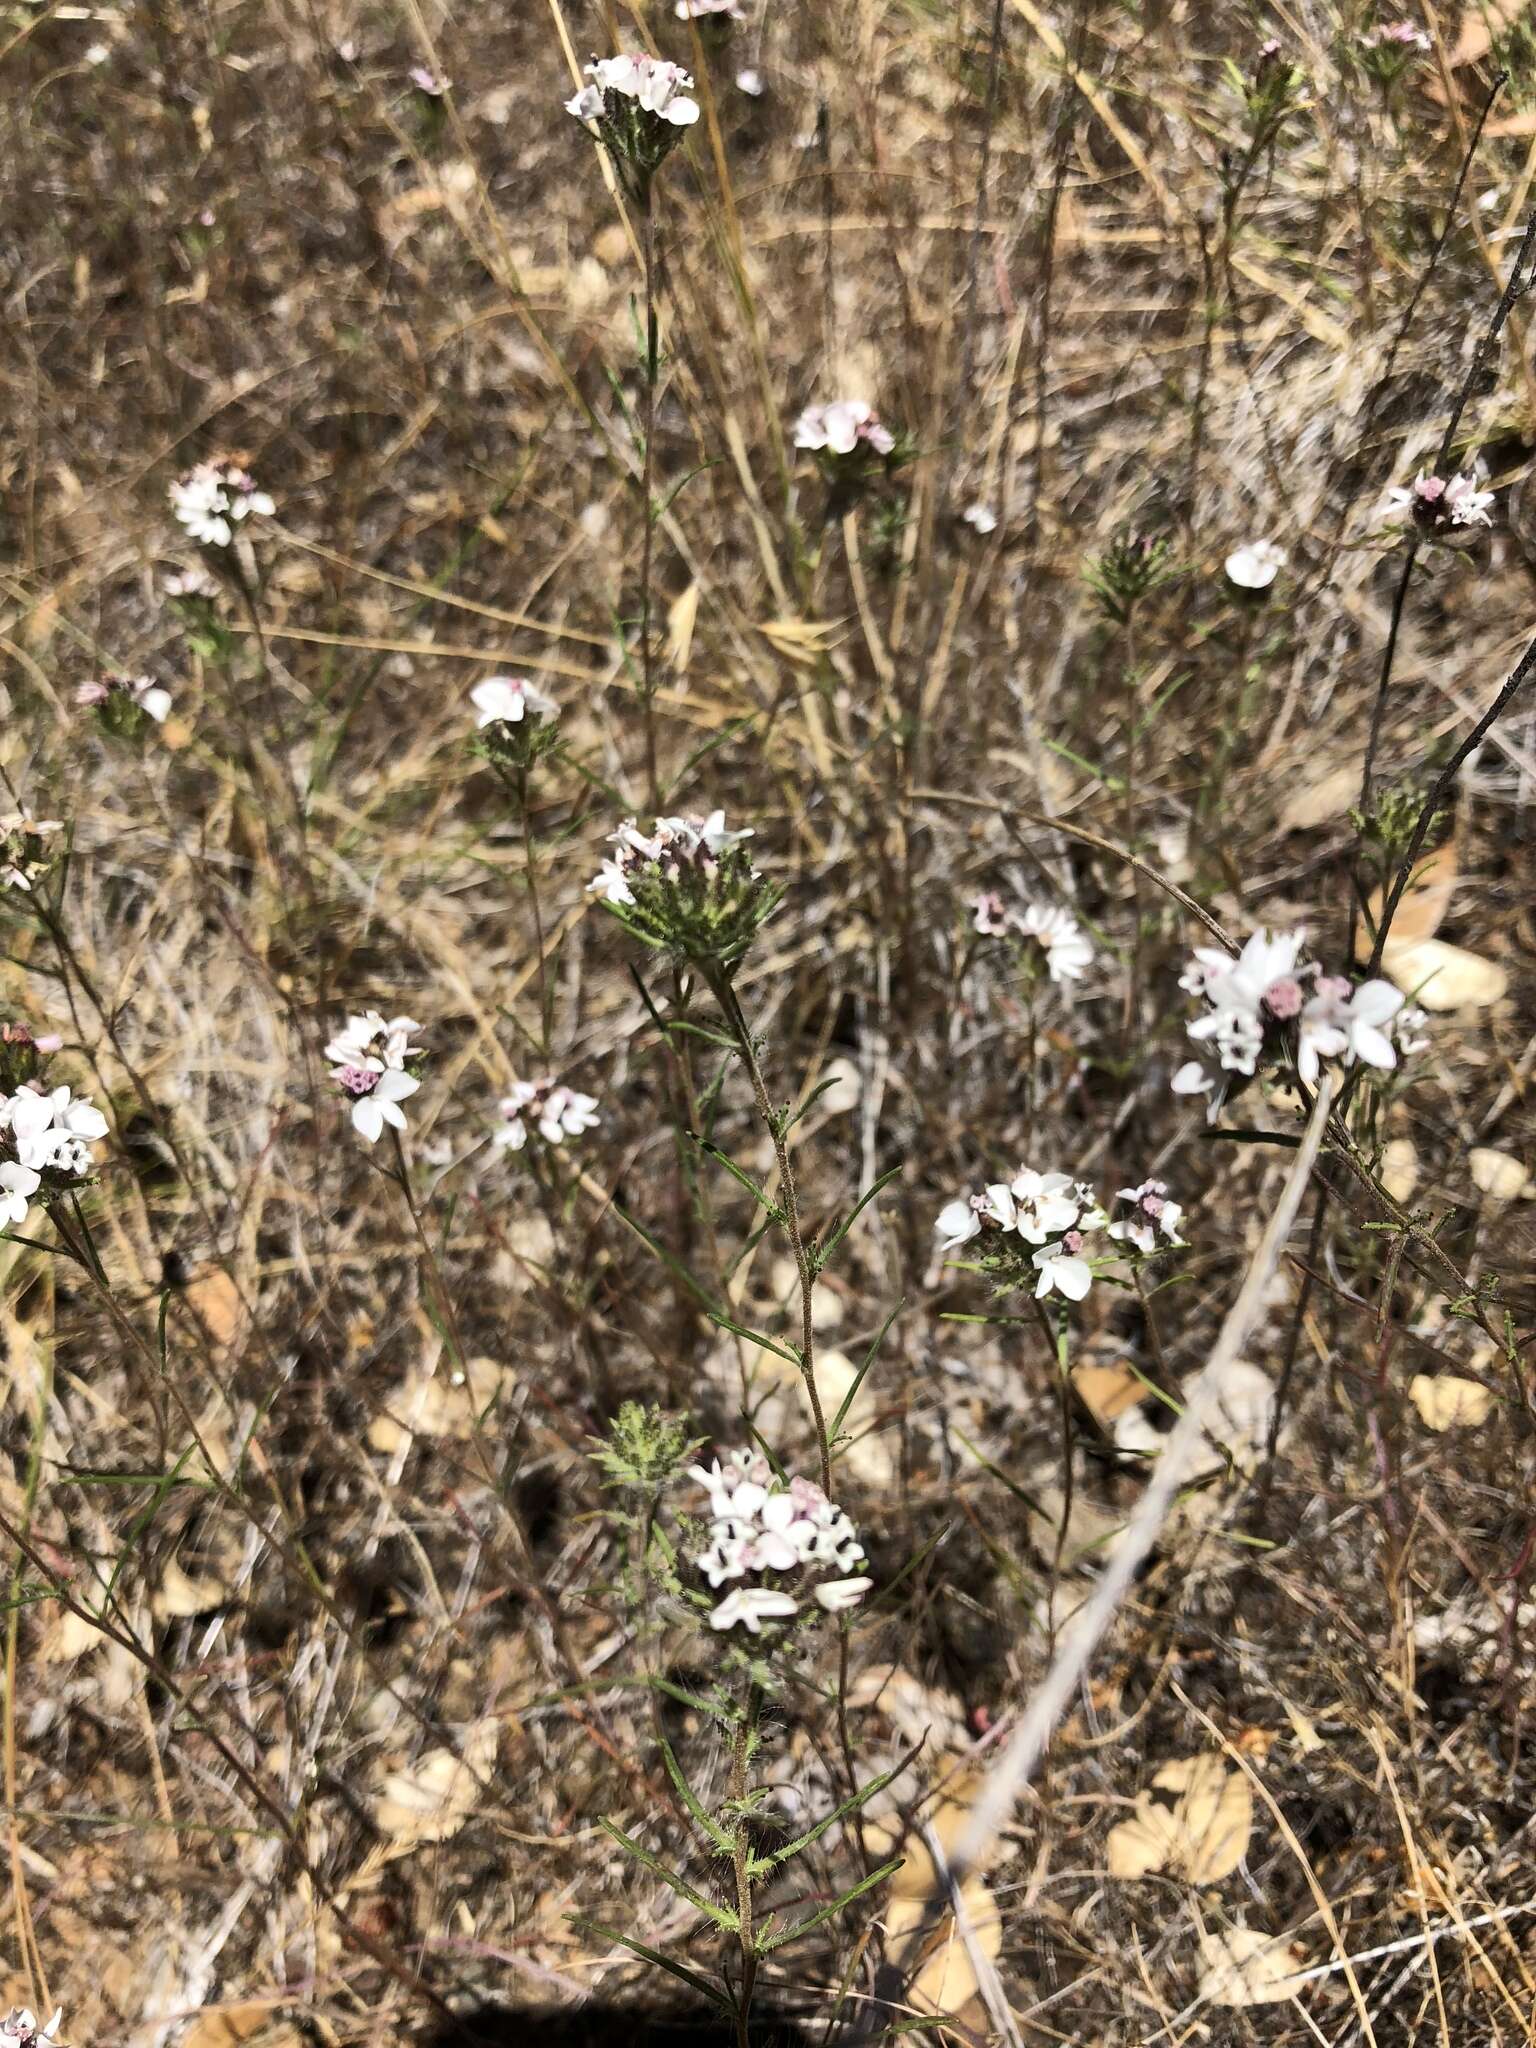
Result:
{"points": [[724, 1322], [689, 1797], [869, 1358], [723, 1916], [652, 1955], [767, 1943], [758, 1864], [825, 1251], [724, 1159]]}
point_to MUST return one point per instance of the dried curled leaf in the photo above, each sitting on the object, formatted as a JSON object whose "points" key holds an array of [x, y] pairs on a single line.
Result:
{"points": [[179, 1595], [432, 1798], [1445, 1401], [946, 1978], [1400, 1168], [1321, 801], [1422, 907], [1193, 1821], [1246, 1967], [1499, 1174], [1442, 977]]}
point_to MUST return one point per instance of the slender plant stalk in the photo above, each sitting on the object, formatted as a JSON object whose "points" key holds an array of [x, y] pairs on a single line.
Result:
{"points": [[647, 484], [740, 1853], [531, 876], [725, 995]]}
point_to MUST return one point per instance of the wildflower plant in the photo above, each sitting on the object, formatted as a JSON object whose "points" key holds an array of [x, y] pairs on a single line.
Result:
{"points": [[213, 501], [1446, 509], [125, 704], [852, 447], [47, 1135], [1037, 1231], [1038, 935], [790, 1561], [373, 1066], [29, 850], [1269, 1008], [21, 2029], [1129, 569], [639, 107], [544, 1108], [688, 888], [1270, 90], [1388, 50]]}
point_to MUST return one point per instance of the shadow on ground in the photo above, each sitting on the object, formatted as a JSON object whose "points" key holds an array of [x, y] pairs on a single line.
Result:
{"points": [[607, 2026]]}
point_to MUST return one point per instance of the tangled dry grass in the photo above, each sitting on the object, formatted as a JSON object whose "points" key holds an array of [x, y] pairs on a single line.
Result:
{"points": [[315, 1665]]}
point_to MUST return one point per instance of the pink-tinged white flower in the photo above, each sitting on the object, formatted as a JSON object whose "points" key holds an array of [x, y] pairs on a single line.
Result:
{"points": [[981, 518], [750, 1606], [1437, 505], [1255, 566], [843, 426], [432, 83], [18, 1184], [659, 88], [376, 1098], [674, 845], [1068, 953], [1397, 35], [142, 691], [215, 498], [1349, 1024], [370, 1039], [510, 699], [990, 914], [1262, 982], [52, 1130], [1062, 1269], [1037, 1205], [19, 2028], [611, 883], [1151, 1216], [554, 1111], [957, 1223], [751, 83], [838, 1595], [368, 1067], [698, 10], [762, 1523]]}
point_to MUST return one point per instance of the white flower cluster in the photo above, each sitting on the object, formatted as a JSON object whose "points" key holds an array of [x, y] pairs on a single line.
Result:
{"points": [[674, 844], [843, 426], [758, 1523], [43, 1131], [656, 87], [1051, 1213], [554, 1111], [1052, 1220], [1060, 937], [510, 699], [23, 854], [368, 1066], [1437, 503], [1264, 997], [19, 2028], [143, 692], [1150, 1216], [213, 499]]}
